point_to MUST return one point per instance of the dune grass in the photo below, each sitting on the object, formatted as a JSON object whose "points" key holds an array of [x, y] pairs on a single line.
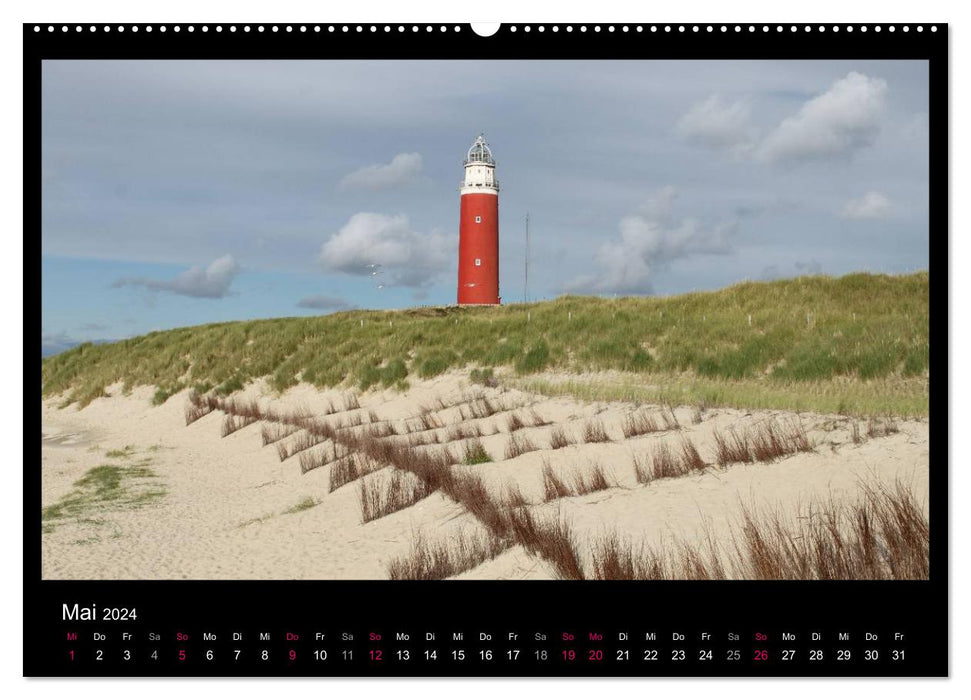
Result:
{"points": [[883, 535], [105, 487], [765, 442], [891, 396], [857, 343], [380, 497], [306, 504], [668, 463], [519, 445], [589, 479], [435, 561], [123, 453], [560, 438], [475, 453]]}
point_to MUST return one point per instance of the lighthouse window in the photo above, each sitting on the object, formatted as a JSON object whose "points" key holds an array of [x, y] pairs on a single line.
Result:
{"points": [[478, 262], [478, 219]]}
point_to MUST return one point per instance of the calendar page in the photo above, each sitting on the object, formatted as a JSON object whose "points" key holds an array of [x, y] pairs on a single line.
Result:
{"points": [[548, 350]]}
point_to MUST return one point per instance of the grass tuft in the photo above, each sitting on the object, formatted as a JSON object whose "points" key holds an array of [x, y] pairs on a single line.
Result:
{"points": [[305, 504], [643, 471], [475, 453], [765, 442], [380, 497], [690, 458], [274, 432], [304, 440], [590, 480], [593, 478], [553, 486], [519, 445], [124, 453], [665, 464], [636, 424], [483, 376], [352, 467], [433, 562], [876, 428], [514, 423], [552, 539], [593, 431], [559, 438], [233, 423], [315, 458]]}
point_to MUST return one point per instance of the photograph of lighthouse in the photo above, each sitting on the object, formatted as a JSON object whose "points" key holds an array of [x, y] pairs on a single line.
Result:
{"points": [[495, 320]]}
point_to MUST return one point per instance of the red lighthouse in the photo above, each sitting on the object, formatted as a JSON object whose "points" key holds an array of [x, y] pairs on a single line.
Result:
{"points": [[479, 228]]}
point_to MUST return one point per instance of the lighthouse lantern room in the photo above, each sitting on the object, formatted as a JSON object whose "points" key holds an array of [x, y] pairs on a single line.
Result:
{"points": [[479, 228]]}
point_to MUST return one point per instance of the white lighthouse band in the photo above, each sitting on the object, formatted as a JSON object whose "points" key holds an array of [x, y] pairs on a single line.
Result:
{"points": [[480, 169]]}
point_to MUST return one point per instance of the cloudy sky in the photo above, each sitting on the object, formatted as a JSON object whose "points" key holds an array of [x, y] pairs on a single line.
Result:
{"points": [[183, 192]]}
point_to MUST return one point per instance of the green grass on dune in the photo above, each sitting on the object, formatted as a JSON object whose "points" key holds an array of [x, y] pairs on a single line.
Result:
{"points": [[905, 397], [104, 488], [306, 504], [857, 330]]}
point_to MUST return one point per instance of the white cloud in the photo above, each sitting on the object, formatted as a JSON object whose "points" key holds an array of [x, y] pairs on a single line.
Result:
{"points": [[370, 243], [212, 282], [872, 205], [649, 239], [717, 125], [403, 168], [838, 122]]}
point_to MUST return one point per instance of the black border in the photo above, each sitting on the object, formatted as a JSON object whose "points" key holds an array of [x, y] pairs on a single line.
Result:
{"points": [[919, 608]]}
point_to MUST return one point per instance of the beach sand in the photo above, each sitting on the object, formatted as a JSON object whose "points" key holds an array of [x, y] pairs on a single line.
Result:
{"points": [[201, 506]]}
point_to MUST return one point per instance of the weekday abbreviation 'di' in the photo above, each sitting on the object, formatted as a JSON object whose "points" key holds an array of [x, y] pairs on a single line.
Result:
{"points": [[479, 228]]}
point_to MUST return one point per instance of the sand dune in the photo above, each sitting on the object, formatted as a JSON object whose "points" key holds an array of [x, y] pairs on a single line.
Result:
{"points": [[196, 505]]}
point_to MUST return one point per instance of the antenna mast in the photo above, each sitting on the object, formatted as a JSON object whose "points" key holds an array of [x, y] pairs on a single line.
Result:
{"points": [[526, 270]]}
